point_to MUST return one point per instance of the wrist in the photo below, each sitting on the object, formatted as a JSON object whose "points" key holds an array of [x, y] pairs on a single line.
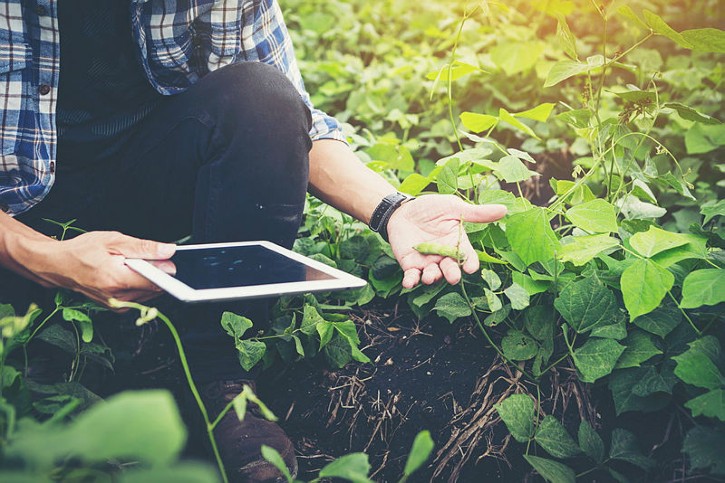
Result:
{"points": [[384, 211]]}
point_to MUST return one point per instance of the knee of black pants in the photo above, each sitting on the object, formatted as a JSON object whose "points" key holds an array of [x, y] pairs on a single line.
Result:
{"points": [[263, 120]]}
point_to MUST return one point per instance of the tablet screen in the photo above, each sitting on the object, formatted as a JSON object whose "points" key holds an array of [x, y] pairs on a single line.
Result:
{"points": [[240, 266]]}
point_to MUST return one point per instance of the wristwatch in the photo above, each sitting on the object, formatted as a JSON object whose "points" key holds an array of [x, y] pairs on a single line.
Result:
{"points": [[384, 210]]}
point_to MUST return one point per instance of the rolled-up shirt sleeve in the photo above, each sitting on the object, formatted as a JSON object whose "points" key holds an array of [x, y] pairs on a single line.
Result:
{"points": [[267, 40]]}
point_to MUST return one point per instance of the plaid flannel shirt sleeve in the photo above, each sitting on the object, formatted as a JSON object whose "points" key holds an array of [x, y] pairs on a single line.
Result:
{"points": [[267, 40]]}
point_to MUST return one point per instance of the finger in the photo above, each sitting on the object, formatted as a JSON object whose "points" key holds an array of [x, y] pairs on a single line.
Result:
{"points": [[131, 247], [411, 278], [482, 213], [431, 274], [165, 266], [471, 264], [451, 271]]}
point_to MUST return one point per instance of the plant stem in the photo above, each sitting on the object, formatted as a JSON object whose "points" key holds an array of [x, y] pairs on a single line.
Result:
{"points": [[197, 396]]}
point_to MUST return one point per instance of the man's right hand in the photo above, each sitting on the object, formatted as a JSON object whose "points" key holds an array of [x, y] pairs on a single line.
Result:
{"points": [[91, 263]]}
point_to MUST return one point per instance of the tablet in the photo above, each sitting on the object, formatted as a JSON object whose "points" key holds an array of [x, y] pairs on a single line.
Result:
{"points": [[243, 270]]}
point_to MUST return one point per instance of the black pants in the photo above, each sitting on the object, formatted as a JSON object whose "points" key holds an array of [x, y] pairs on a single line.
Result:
{"points": [[226, 160]]}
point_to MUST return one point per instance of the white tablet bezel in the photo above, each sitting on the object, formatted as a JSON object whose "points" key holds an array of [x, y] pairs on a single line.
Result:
{"points": [[186, 293]]}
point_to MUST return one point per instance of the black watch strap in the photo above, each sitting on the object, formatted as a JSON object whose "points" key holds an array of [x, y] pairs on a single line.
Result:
{"points": [[383, 212]]}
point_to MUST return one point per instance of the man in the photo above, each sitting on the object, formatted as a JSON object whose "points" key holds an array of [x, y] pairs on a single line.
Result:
{"points": [[158, 119]]}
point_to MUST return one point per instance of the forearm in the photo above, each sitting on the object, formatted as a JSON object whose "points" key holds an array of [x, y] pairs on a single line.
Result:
{"points": [[17, 242], [340, 179]]}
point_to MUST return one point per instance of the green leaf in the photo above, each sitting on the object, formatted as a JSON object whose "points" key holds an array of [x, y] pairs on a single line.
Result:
{"points": [[516, 57], [695, 248], [701, 139], [531, 236], [454, 72], [353, 467], [711, 209], [491, 278], [539, 113], [627, 12], [624, 448], [711, 405], [478, 123], [586, 304], [555, 439], [531, 286], [493, 301], [644, 285], [512, 170], [656, 240], [705, 40], [616, 330], [597, 358], [452, 306], [565, 69], [703, 445], [590, 442], [691, 114], [507, 117], [419, 453], [551, 471], [348, 331], [651, 381], [566, 37], [621, 384], [272, 455], [695, 366], [582, 249], [325, 330], [519, 347], [518, 296], [656, 23], [414, 184], [250, 352], [661, 321], [596, 216], [640, 348], [235, 325], [517, 412], [311, 318], [141, 425], [447, 180], [703, 287]]}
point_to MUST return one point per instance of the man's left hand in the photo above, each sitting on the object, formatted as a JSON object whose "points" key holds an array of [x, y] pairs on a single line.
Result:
{"points": [[436, 219]]}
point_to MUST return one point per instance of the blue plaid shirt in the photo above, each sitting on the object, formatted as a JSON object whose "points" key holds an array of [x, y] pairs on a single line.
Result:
{"points": [[179, 42]]}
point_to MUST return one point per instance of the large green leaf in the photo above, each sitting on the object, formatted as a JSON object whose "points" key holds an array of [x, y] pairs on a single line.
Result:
{"points": [[597, 358], [596, 216], [452, 307], [696, 365], [352, 467], [703, 445], [539, 113], [516, 57], [551, 471], [512, 170], [531, 236], [581, 249], [624, 448], [143, 426], [517, 412], [703, 287], [586, 304], [555, 439], [590, 442], [509, 118], [705, 40], [656, 240], [250, 352], [187, 472], [565, 69], [478, 122], [644, 285], [658, 25], [640, 348], [661, 321], [711, 405], [419, 453], [519, 347]]}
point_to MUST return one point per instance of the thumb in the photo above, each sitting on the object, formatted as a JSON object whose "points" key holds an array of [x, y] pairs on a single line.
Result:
{"points": [[482, 213], [131, 247]]}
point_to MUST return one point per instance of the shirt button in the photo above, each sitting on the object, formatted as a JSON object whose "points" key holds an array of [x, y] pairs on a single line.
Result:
{"points": [[44, 89], [40, 10], [52, 167]]}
